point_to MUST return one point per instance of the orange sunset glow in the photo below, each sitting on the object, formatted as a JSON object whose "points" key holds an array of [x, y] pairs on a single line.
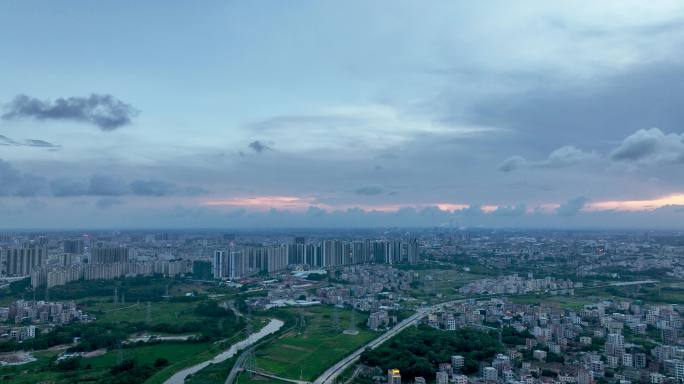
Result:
{"points": [[636, 205], [301, 203]]}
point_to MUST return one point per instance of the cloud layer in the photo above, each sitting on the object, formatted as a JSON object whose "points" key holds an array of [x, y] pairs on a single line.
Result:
{"points": [[491, 114], [6, 141], [104, 111]]}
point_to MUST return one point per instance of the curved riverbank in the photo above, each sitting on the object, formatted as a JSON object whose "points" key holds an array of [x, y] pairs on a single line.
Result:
{"points": [[273, 326]]}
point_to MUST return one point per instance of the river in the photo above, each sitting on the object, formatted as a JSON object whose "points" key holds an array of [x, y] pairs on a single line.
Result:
{"points": [[273, 326]]}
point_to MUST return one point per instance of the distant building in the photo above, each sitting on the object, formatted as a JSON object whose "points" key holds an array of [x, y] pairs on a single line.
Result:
{"points": [[393, 376], [109, 255], [412, 251], [22, 261], [76, 247], [442, 377], [457, 362], [539, 354], [201, 270], [219, 264], [679, 369], [490, 374], [378, 319]]}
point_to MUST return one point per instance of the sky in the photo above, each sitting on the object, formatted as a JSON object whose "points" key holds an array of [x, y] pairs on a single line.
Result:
{"points": [[227, 114]]}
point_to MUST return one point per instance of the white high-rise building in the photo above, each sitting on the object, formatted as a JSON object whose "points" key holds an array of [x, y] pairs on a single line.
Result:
{"points": [[219, 264]]}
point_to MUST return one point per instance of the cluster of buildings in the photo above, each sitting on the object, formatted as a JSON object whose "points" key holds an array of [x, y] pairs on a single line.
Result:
{"points": [[29, 316], [41, 312], [52, 260], [618, 341], [22, 260], [584, 254], [370, 288], [241, 261], [514, 284], [54, 276]]}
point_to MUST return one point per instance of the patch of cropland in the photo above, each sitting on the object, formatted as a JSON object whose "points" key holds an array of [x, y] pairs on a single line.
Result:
{"points": [[316, 342]]}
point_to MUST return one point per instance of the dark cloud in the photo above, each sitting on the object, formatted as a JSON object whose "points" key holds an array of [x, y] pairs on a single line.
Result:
{"points": [[64, 187], [572, 206], [258, 146], [650, 145], [108, 202], [40, 143], [104, 111], [590, 112], [107, 185], [6, 141], [370, 190], [152, 188], [562, 157], [16, 183], [31, 185], [512, 163]]}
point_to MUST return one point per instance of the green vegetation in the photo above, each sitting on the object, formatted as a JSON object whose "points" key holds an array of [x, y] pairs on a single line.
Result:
{"points": [[512, 337], [152, 362], [213, 373], [418, 350], [160, 312], [310, 349], [669, 292], [211, 326], [564, 301]]}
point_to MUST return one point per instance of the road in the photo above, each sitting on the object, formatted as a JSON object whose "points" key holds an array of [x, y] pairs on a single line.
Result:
{"points": [[237, 367], [329, 375]]}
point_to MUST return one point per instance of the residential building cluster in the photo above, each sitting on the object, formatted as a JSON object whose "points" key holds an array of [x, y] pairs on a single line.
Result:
{"points": [[624, 341], [60, 275], [28, 317], [514, 284], [237, 261]]}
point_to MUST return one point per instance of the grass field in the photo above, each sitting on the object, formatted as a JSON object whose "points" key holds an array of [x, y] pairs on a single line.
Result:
{"points": [[573, 302], [179, 356], [160, 312], [30, 373], [666, 293], [319, 346], [173, 352]]}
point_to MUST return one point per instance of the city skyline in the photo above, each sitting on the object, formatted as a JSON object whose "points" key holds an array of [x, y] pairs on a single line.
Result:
{"points": [[321, 115]]}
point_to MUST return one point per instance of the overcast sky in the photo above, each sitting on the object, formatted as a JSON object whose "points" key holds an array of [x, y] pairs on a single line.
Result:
{"points": [[349, 113]]}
